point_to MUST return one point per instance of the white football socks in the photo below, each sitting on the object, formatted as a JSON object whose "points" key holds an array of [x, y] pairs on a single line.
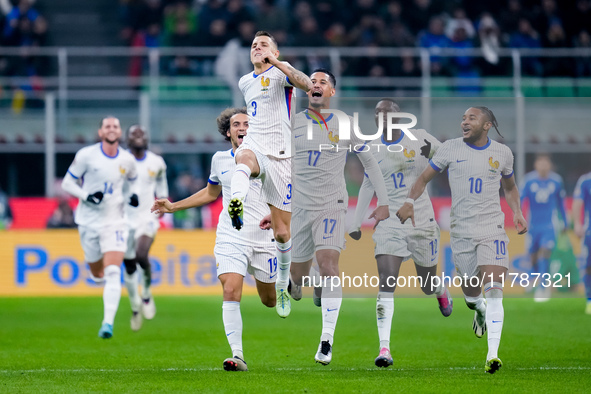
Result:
{"points": [[132, 290], [111, 292], [233, 326], [240, 182], [384, 314], [332, 298], [476, 304], [494, 317], [283, 253]]}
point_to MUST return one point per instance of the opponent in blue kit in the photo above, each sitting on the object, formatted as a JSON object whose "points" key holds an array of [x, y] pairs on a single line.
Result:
{"points": [[544, 190]]}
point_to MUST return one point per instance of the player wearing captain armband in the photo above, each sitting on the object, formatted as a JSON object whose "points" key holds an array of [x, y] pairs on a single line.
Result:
{"points": [[476, 165]]}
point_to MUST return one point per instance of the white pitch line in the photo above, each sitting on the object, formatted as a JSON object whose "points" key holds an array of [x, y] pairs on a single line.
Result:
{"points": [[310, 369]]}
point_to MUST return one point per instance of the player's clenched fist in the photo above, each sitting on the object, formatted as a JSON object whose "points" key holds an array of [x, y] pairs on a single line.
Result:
{"points": [[406, 211], [162, 206]]}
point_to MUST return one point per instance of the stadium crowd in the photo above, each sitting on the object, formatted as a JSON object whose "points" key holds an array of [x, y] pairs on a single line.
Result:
{"points": [[21, 25], [370, 23]]}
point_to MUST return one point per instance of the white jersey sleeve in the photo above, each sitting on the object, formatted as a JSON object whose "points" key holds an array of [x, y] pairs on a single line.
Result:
{"points": [[107, 174]]}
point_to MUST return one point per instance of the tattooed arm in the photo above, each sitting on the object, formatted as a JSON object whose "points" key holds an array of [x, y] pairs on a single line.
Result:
{"points": [[296, 77]]}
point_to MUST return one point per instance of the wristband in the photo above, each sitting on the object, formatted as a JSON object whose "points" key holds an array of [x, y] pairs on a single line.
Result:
{"points": [[410, 201]]}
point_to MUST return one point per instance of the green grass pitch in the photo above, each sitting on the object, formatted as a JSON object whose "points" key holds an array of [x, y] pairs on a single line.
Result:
{"points": [[51, 345]]}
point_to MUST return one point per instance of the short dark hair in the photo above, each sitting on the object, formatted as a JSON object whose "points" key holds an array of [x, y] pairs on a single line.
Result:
{"points": [[491, 118], [223, 120], [134, 126], [266, 34], [106, 117], [331, 78], [394, 103]]}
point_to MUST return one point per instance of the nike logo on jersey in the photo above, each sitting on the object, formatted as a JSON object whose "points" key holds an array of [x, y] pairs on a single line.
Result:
{"points": [[272, 276], [298, 136], [499, 258], [433, 259], [331, 310], [286, 203], [223, 172], [497, 321], [460, 161], [230, 333], [324, 237]]}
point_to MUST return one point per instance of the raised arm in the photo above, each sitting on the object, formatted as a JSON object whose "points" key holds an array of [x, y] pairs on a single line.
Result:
{"points": [[296, 77], [512, 197], [204, 196], [407, 210]]}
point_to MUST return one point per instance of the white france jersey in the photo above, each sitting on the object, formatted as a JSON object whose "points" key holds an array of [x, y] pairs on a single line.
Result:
{"points": [[102, 173], [318, 174], [401, 170], [269, 97], [222, 168], [151, 181], [474, 178]]}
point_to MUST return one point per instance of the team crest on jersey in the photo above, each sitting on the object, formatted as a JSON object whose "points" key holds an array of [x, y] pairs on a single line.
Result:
{"points": [[265, 84], [409, 155], [151, 174], [332, 137], [122, 170], [494, 165]]}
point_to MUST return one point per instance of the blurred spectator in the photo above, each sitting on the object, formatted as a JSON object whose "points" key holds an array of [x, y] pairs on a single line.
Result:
{"points": [[269, 17], [177, 14], [556, 38], [459, 20], [336, 35], [406, 66], [527, 37], [583, 67], [237, 13], [435, 39], [308, 34], [489, 37], [212, 12], [418, 15], [370, 31], [462, 64], [19, 13], [546, 16], [509, 18], [5, 212], [579, 19], [63, 216]]}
